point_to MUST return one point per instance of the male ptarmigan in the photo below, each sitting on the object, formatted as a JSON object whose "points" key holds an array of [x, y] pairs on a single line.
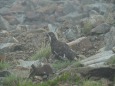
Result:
{"points": [[60, 49]]}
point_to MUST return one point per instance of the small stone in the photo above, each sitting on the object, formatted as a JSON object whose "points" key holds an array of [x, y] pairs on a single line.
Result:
{"points": [[110, 39]]}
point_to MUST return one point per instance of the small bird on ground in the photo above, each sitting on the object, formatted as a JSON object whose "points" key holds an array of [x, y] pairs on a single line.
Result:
{"points": [[60, 49], [42, 71]]}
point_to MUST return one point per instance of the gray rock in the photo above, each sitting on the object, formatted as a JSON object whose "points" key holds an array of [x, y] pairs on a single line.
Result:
{"points": [[102, 8], [98, 60], [11, 18], [92, 21], [69, 7], [4, 25], [21, 6], [27, 64], [97, 19], [84, 46], [4, 10], [74, 16], [110, 39], [101, 29], [5, 3], [31, 15], [113, 49], [70, 34]]}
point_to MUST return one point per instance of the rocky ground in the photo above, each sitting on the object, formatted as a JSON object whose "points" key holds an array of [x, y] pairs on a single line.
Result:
{"points": [[23, 24]]}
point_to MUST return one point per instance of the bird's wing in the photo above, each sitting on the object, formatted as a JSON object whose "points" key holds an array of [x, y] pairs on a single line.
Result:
{"points": [[62, 48]]}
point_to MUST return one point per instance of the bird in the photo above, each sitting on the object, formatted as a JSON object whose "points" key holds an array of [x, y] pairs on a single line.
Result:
{"points": [[42, 71], [59, 49]]}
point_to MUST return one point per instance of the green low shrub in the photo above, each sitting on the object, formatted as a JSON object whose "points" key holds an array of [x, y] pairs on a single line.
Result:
{"points": [[44, 52], [87, 27], [3, 65]]}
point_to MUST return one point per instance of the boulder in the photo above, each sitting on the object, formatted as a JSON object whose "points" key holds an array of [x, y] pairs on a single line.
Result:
{"points": [[113, 49], [110, 39], [47, 9], [74, 16], [97, 19], [71, 34], [20, 6], [101, 72], [89, 23], [31, 15], [69, 7], [4, 10], [27, 64], [101, 8], [97, 60], [17, 7], [84, 46], [6, 2], [101, 29]]}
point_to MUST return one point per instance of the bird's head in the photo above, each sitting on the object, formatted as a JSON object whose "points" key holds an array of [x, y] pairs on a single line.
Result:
{"points": [[51, 36]]}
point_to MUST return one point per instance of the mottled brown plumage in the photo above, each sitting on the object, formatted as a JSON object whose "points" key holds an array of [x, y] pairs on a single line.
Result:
{"points": [[41, 71], [60, 49]]}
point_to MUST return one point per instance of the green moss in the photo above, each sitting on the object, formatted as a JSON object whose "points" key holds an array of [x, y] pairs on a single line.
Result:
{"points": [[11, 81], [87, 27], [91, 83], [26, 83], [66, 77], [62, 78], [44, 52], [3, 65], [61, 64]]}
